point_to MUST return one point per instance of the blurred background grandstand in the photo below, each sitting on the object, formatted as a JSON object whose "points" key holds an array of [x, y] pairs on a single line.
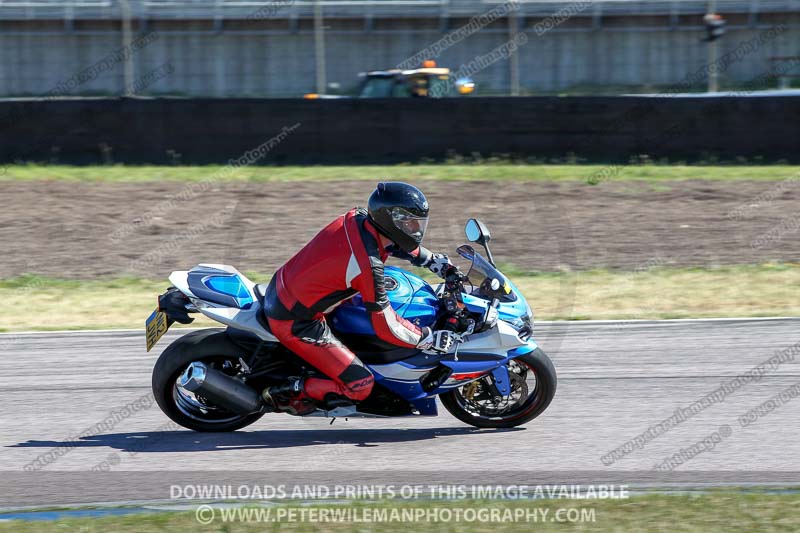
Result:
{"points": [[284, 48]]}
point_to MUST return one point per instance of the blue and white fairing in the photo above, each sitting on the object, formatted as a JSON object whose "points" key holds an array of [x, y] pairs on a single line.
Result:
{"points": [[224, 294], [416, 301]]}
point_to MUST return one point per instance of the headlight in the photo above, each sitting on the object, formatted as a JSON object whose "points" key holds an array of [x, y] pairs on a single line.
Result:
{"points": [[524, 326]]}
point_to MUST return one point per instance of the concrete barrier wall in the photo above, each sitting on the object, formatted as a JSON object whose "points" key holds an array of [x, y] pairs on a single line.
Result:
{"points": [[282, 131], [281, 64]]}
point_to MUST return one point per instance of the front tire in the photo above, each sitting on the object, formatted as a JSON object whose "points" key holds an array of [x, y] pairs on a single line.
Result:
{"points": [[212, 346], [462, 406]]}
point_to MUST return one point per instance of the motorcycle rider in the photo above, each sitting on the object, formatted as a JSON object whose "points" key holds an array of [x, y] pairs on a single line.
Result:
{"points": [[344, 259]]}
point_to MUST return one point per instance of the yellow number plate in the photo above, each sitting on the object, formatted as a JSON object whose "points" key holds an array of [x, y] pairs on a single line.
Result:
{"points": [[155, 326]]}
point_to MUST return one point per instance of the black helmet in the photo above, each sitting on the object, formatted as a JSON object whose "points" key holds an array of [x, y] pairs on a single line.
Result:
{"points": [[400, 212]]}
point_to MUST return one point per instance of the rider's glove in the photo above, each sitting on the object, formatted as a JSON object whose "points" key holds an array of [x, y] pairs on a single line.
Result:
{"points": [[440, 265], [438, 341]]}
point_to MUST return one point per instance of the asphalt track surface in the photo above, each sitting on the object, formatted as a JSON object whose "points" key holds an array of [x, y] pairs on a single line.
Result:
{"points": [[615, 381]]}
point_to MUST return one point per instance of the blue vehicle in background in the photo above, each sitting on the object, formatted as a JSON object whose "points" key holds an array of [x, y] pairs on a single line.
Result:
{"points": [[496, 375]]}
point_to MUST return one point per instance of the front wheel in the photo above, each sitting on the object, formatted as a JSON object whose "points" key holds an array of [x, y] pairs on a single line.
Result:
{"points": [[533, 385]]}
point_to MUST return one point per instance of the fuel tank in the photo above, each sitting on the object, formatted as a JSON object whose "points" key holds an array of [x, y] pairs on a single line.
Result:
{"points": [[409, 295]]}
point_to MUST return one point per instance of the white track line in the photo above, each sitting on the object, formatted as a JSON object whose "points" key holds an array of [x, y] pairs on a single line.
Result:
{"points": [[601, 323]]}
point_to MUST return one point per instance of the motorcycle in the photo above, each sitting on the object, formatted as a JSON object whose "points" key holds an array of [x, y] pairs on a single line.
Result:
{"points": [[495, 376]]}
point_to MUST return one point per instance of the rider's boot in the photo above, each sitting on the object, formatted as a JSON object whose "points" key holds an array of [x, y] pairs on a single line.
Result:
{"points": [[289, 397]]}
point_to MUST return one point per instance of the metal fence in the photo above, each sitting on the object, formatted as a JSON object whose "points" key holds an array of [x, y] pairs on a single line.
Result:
{"points": [[239, 9]]}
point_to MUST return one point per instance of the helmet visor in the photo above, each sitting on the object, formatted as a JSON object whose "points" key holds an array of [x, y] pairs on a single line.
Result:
{"points": [[409, 223]]}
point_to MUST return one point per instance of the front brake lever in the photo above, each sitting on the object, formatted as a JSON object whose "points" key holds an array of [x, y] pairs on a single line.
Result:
{"points": [[461, 338], [469, 331]]}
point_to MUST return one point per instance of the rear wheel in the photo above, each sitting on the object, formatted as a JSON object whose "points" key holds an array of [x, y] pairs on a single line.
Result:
{"points": [[533, 385], [212, 347]]}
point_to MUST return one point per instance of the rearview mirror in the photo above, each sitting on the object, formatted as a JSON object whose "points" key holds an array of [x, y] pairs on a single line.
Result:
{"points": [[477, 231]]}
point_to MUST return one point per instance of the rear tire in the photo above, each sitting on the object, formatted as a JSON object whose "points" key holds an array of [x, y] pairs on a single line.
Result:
{"points": [[534, 404], [206, 344]]}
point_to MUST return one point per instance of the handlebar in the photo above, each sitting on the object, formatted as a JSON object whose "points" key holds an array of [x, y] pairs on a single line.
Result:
{"points": [[454, 280], [453, 302]]}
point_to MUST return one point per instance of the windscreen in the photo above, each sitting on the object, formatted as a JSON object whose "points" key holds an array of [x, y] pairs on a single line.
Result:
{"points": [[482, 273], [377, 87]]}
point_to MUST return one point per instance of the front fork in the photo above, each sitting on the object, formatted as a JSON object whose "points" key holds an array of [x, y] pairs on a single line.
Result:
{"points": [[501, 381]]}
